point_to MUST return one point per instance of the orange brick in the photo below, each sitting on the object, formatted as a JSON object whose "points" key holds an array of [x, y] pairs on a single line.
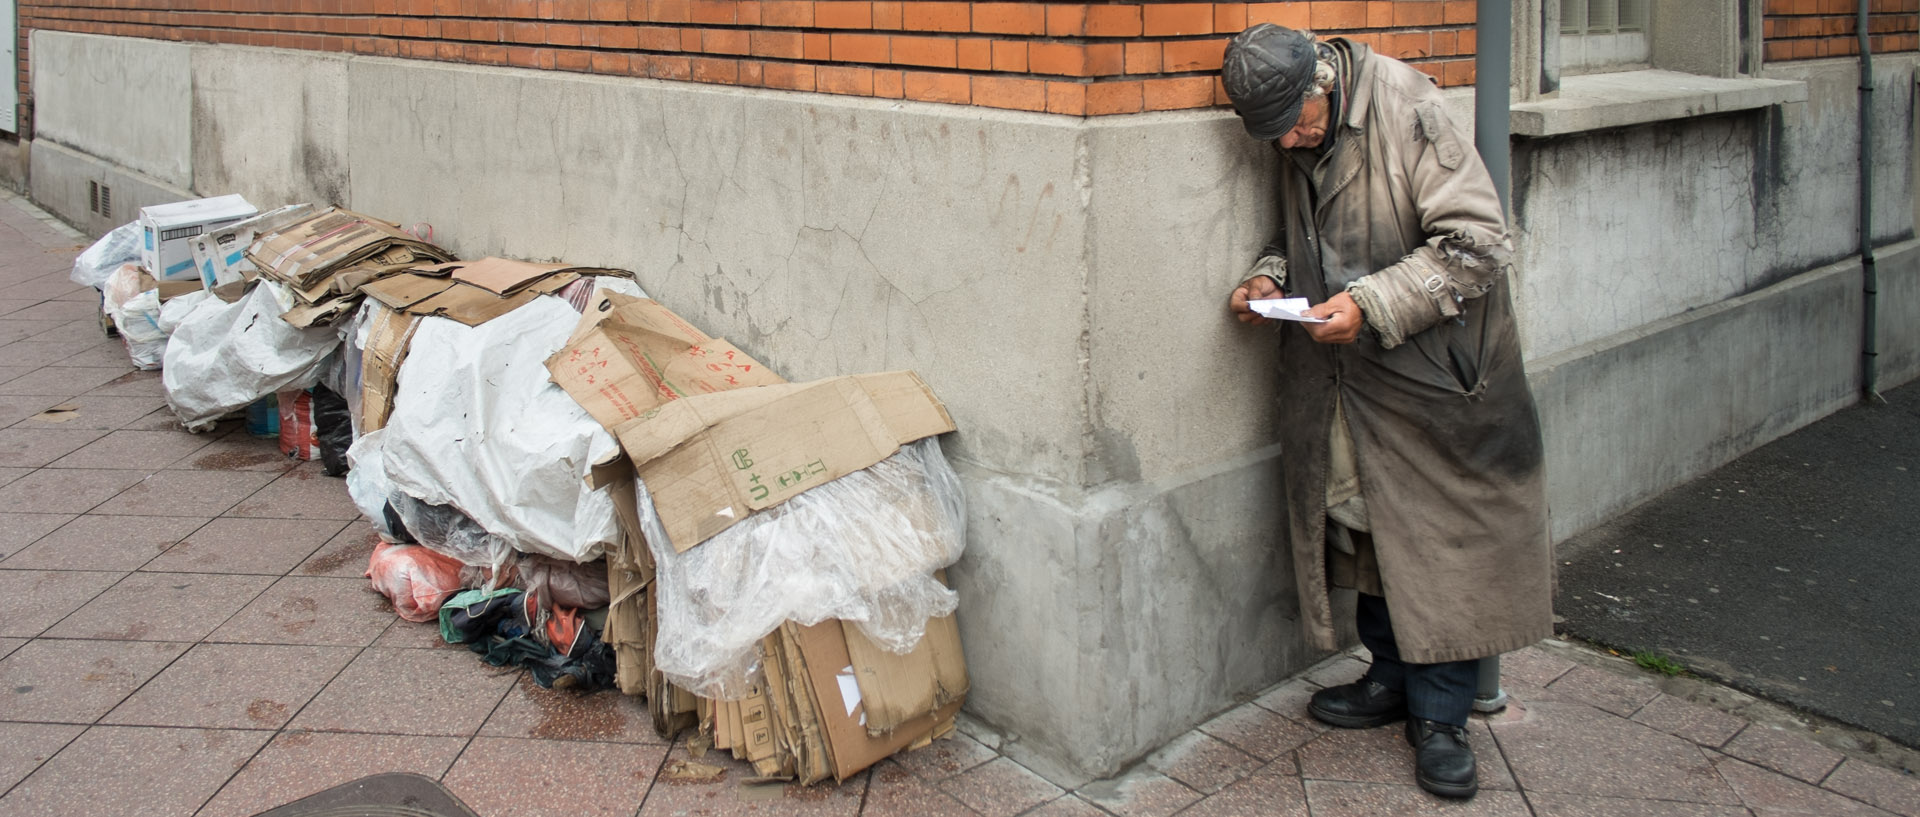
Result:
{"points": [[1010, 93], [753, 73], [623, 37], [607, 11], [859, 48], [1425, 13], [1063, 59], [1458, 73], [1009, 57], [1457, 12], [1194, 55], [1290, 15], [748, 12], [851, 80], [817, 47], [572, 9], [1113, 21], [1143, 58], [1105, 98], [1404, 45], [788, 76], [563, 34], [888, 84], [659, 38], [778, 44], [1464, 41], [976, 54], [842, 14], [712, 12], [1066, 20], [715, 70], [1175, 19], [690, 39], [931, 52], [724, 41], [1009, 18], [605, 63], [1380, 13], [886, 15], [1229, 17], [1343, 15], [951, 17], [786, 13], [1069, 98], [668, 11], [926, 86], [1176, 93]]}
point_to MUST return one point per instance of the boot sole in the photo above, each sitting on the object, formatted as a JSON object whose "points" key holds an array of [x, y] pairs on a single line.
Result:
{"points": [[1459, 790], [1354, 721]]}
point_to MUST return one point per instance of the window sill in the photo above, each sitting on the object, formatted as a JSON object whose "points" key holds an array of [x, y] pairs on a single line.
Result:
{"points": [[1599, 101]]}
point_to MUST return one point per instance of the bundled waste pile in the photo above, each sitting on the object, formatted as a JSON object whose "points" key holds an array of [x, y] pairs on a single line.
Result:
{"points": [[568, 476]]}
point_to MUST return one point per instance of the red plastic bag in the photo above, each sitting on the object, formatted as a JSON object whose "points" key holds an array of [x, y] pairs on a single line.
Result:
{"points": [[416, 579], [299, 437]]}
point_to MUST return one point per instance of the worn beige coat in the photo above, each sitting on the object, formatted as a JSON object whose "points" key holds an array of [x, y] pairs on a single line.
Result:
{"points": [[1446, 439]]}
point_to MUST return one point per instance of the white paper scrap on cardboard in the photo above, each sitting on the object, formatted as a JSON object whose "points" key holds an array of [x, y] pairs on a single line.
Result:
{"points": [[1283, 309], [850, 691]]}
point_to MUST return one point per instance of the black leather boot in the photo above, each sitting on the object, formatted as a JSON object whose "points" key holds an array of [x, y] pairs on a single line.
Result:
{"points": [[1362, 704], [1442, 761]]}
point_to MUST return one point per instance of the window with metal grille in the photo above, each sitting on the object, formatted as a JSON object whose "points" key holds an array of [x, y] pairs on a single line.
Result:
{"points": [[1602, 34]]}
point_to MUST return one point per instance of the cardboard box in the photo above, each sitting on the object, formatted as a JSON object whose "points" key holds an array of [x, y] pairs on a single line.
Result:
{"points": [[474, 292], [630, 355], [710, 460], [167, 229], [220, 254], [388, 335]]}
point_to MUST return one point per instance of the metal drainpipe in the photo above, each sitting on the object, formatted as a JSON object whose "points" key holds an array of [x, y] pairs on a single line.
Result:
{"points": [[1869, 277], [1492, 123]]}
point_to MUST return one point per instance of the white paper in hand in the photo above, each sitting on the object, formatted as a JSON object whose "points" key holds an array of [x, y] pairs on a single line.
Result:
{"points": [[1283, 309]]}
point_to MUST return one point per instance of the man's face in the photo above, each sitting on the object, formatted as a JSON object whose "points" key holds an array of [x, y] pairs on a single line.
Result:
{"points": [[1311, 129]]}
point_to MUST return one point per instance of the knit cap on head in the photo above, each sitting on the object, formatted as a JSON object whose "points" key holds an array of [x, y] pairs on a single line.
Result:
{"points": [[1267, 70]]}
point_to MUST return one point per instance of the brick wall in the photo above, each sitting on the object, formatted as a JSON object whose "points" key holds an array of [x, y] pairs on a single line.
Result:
{"points": [[1062, 57], [1806, 29]]}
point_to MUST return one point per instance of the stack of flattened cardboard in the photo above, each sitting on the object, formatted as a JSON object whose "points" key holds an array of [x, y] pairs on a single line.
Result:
{"points": [[716, 435], [474, 292], [325, 258]]}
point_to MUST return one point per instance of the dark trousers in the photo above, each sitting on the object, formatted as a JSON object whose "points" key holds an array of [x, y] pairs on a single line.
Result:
{"points": [[1435, 692]]}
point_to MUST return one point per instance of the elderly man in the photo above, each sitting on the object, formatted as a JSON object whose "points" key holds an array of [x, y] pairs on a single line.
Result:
{"points": [[1411, 446]]}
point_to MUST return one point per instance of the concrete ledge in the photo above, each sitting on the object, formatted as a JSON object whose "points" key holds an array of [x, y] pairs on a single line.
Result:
{"points": [[1598, 101], [58, 182]]}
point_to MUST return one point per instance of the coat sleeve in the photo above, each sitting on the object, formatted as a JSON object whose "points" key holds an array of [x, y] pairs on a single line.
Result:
{"points": [[1467, 250]]}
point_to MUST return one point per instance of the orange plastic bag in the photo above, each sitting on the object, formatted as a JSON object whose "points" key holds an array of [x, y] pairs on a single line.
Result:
{"points": [[416, 579], [299, 437]]}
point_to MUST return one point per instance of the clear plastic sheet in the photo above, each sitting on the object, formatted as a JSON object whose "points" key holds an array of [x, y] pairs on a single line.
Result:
{"points": [[95, 263], [224, 356], [862, 548]]}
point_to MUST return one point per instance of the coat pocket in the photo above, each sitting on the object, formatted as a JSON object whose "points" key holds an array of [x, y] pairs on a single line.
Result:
{"points": [[1465, 367]]}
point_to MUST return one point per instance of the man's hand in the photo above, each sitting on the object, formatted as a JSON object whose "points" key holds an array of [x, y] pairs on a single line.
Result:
{"points": [[1343, 320], [1253, 289]]}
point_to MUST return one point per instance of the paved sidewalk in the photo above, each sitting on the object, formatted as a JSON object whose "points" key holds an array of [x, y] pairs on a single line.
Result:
{"points": [[184, 630]]}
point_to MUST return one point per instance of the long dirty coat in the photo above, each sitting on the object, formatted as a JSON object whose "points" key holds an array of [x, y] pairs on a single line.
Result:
{"points": [[1446, 439]]}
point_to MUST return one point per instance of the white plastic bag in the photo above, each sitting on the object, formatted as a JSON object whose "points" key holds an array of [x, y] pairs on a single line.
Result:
{"points": [[144, 322], [477, 425], [224, 356], [862, 548], [95, 263]]}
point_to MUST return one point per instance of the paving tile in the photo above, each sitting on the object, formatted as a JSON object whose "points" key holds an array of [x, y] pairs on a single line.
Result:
{"points": [[132, 384], [1000, 788], [545, 714], [1344, 669], [345, 555], [44, 288], [1785, 753], [1262, 794], [161, 607], [575, 778], [1382, 755], [65, 490], [1765, 791], [100, 412], [945, 757], [1328, 798], [303, 493], [134, 771], [10, 474], [1534, 666], [239, 452], [33, 600], [37, 353], [18, 530], [296, 764], [8, 306], [116, 543], [1577, 805], [140, 450], [1883, 787], [24, 746], [233, 686], [1701, 724], [1204, 763], [13, 329], [1258, 732], [107, 353], [77, 681], [62, 381], [896, 792], [1067, 806], [1570, 748], [725, 795], [8, 645], [414, 635], [185, 493], [80, 334], [36, 447], [15, 408], [409, 692], [53, 310], [269, 546], [1289, 699], [10, 373], [311, 610], [1620, 694], [1141, 793]]}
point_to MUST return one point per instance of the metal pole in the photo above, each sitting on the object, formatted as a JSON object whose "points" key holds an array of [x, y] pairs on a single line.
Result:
{"points": [[1869, 276], [1492, 124]]}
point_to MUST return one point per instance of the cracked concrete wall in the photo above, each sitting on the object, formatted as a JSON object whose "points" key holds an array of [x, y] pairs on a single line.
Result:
{"points": [[270, 124]]}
